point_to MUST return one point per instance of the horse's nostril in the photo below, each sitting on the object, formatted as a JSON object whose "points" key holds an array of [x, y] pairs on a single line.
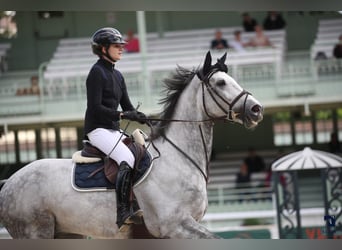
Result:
{"points": [[256, 108]]}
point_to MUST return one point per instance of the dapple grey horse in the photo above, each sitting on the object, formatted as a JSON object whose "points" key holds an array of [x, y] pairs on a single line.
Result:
{"points": [[38, 201]]}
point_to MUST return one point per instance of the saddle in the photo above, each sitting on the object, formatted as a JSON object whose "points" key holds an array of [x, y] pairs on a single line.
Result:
{"points": [[90, 153]]}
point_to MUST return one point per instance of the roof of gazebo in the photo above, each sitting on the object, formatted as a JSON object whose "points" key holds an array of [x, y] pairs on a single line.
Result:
{"points": [[307, 159]]}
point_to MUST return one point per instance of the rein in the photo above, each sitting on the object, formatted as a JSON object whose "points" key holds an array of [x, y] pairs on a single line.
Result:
{"points": [[189, 158], [221, 118]]}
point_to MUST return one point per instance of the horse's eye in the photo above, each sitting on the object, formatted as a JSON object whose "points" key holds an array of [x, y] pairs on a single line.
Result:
{"points": [[221, 83]]}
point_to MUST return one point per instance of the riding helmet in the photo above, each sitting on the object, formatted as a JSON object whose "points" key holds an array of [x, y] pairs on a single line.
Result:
{"points": [[104, 37]]}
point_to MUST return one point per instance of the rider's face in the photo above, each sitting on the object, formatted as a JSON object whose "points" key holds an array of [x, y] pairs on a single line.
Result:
{"points": [[115, 51]]}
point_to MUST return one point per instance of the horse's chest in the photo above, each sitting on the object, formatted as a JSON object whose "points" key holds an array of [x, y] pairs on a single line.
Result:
{"points": [[198, 202]]}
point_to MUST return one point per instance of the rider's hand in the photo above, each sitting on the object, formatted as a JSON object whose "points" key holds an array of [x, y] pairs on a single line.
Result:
{"points": [[134, 116]]}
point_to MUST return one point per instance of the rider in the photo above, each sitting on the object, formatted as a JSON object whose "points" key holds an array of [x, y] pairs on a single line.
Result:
{"points": [[106, 89]]}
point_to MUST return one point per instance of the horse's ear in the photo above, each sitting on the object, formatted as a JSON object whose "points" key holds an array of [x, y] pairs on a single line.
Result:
{"points": [[220, 65], [223, 58], [207, 64]]}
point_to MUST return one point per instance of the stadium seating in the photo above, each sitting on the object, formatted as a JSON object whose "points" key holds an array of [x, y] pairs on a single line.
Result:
{"points": [[326, 37], [73, 57]]}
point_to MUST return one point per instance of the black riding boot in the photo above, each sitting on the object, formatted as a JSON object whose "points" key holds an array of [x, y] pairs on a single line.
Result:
{"points": [[123, 191]]}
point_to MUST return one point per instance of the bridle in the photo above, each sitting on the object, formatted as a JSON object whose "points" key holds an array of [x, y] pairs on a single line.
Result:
{"points": [[215, 95]]}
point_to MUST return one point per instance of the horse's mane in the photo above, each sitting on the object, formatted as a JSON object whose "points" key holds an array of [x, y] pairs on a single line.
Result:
{"points": [[174, 86]]}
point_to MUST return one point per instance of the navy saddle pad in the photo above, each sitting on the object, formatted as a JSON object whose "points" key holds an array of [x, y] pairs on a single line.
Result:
{"points": [[97, 181], [81, 179]]}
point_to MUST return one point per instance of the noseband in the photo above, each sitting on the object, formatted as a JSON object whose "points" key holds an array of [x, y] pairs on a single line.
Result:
{"points": [[215, 95]]}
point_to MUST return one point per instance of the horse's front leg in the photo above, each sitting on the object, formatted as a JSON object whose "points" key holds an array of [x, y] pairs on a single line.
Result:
{"points": [[191, 229], [186, 228]]}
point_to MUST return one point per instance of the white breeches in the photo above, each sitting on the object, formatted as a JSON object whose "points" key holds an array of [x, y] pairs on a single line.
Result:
{"points": [[105, 140]]}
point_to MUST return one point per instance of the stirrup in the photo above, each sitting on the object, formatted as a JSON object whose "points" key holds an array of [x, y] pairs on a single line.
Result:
{"points": [[138, 213], [135, 218]]}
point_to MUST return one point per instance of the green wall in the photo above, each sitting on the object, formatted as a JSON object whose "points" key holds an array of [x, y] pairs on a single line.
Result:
{"points": [[37, 38]]}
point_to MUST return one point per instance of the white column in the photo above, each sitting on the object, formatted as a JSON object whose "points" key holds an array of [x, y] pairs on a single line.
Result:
{"points": [[143, 52]]}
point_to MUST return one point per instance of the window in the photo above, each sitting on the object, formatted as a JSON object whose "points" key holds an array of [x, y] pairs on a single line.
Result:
{"points": [[48, 137], [27, 145], [282, 129], [324, 125], [68, 141], [7, 148], [303, 129]]}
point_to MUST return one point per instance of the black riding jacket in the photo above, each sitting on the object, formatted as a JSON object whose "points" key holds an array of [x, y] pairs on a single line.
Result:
{"points": [[106, 89]]}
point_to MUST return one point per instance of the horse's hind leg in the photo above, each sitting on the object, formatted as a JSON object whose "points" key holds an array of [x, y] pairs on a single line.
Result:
{"points": [[38, 227]]}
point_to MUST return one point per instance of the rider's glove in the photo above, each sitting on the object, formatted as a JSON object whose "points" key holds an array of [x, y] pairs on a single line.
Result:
{"points": [[134, 116]]}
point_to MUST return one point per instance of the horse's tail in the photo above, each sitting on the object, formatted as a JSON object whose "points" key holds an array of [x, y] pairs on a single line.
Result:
{"points": [[2, 182]]}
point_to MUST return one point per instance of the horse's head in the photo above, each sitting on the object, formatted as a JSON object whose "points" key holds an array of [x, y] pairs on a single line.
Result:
{"points": [[222, 96]]}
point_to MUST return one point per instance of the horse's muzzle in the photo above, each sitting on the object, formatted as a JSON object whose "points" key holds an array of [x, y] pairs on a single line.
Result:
{"points": [[253, 113]]}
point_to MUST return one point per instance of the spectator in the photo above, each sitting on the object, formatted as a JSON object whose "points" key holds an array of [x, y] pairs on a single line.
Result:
{"points": [[243, 180], [219, 42], [237, 44], [21, 91], [320, 55], [274, 21], [32, 90], [334, 144], [254, 162], [132, 43], [248, 22], [243, 176], [260, 39], [338, 48]]}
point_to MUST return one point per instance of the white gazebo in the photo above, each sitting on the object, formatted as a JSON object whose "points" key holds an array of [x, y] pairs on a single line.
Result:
{"points": [[287, 197]]}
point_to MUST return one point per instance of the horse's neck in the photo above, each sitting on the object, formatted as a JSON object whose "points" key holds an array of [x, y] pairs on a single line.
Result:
{"points": [[192, 137]]}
